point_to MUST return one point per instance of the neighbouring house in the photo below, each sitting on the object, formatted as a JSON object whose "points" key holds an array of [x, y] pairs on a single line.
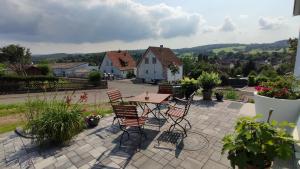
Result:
{"points": [[155, 63], [73, 69], [32, 70], [119, 63]]}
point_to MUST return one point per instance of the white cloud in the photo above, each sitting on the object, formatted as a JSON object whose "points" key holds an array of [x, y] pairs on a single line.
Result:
{"points": [[228, 25], [93, 21], [243, 16], [267, 23]]}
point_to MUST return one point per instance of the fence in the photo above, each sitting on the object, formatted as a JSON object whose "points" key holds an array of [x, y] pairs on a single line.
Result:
{"points": [[37, 86]]}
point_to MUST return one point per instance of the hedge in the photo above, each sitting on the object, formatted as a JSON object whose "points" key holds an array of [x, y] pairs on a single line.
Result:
{"points": [[28, 78]]}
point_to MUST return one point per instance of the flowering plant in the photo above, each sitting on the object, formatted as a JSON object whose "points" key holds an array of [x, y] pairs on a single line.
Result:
{"points": [[92, 120], [283, 88]]}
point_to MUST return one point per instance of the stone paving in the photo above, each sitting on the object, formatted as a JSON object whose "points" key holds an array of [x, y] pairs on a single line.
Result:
{"points": [[99, 147]]}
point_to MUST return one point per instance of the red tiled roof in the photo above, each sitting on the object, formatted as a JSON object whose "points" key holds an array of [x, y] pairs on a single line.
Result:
{"points": [[165, 55], [121, 59]]}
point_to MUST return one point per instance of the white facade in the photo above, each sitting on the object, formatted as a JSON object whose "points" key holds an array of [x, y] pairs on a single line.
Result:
{"points": [[67, 72], [150, 69], [297, 64], [107, 67], [175, 77]]}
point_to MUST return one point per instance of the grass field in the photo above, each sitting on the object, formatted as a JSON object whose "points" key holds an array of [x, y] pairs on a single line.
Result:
{"points": [[13, 115], [229, 49]]}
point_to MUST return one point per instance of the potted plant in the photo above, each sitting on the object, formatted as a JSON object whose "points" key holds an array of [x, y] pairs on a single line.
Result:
{"points": [[208, 81], [189, 85], [282, 96], [92, 120], [254, 145], [219, 95]]}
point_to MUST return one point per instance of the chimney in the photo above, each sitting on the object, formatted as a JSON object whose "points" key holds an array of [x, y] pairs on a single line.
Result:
{"points": [[161, 46]]}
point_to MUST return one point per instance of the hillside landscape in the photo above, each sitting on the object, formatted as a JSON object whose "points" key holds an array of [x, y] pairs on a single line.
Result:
{"points": [[215, 49]]}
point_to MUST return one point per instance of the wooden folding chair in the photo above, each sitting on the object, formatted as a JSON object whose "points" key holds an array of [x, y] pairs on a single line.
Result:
{"points": [[178, 115], [127, 116], [115, 97]]}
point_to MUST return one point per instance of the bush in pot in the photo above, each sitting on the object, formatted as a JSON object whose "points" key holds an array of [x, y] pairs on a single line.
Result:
{"points": [[189, 85], [208, 81], [256, 144], [219, 95], [92, 120]]}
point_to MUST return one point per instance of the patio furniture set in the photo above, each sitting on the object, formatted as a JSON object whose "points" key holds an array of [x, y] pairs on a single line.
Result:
{"points": [[128, 116]]}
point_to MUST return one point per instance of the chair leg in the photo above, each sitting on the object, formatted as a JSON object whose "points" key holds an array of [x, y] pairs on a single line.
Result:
{"points": [[124, 131], [190, 126], [113, 122]]}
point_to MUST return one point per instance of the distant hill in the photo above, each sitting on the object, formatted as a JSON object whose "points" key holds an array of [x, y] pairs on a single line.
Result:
{"points": [[96, 58]]}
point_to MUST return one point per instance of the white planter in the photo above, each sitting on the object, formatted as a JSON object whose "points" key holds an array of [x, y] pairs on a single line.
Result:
{"points": [[284, 110]]}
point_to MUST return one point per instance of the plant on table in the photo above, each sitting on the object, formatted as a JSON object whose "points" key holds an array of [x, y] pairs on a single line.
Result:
{"points": [[284, 88], [55, 121], [256, 144], [189, 85], [208, 81]]}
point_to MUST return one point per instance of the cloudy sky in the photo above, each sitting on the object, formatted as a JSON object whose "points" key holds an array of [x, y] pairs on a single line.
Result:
{"points": [[72, 26]]}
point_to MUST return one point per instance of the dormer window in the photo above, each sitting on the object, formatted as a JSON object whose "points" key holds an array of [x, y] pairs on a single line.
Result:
{"points": [[123, 63]]}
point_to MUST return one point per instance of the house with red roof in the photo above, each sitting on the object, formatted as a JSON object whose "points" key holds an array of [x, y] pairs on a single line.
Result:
{"points": [[155, 65], [119, 63]]}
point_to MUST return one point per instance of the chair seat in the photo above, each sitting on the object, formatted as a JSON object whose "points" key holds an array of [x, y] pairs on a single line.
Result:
{"points": [[175, 112], [134, 122]]}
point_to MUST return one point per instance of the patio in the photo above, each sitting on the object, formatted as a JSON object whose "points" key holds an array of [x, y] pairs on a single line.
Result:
{"points": [[99, 147]]}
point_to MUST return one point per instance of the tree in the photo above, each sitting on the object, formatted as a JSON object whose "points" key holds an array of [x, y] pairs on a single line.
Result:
{"points": [[17, 57], [174, 69], [248, 67], [293, 43], [45, 69], [188, 64]]}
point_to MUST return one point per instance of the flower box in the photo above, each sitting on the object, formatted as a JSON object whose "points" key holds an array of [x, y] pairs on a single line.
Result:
{"points": [[284, 109]]}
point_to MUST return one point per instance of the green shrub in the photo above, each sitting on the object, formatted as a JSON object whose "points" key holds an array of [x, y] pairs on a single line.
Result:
{"points": [[261, 79], [209, 80], [55, 121], [257, 144], [28, 78], [231, 95], [252, 73], [95, 78], [251, 80], [130, 75], [45, 69]]}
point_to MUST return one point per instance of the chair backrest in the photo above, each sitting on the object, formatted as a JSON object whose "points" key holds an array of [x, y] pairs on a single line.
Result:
{"points": [[188, 103], [165, 89], [114, 96], [125, 111]]}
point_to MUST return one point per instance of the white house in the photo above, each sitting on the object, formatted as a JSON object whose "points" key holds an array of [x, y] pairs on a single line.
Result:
{"points": [[119, 63], [73, 69], [154, 65]]}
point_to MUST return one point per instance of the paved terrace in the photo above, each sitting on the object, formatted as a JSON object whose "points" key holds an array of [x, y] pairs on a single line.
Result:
{"points": [[99, 147]]}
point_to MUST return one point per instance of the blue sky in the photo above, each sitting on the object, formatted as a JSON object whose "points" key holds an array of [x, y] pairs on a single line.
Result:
{"points": [[72, 26]]}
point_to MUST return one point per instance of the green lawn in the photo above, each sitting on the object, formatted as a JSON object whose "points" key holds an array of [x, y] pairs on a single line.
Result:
{"points": [[11, 126], [9, 109]]}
